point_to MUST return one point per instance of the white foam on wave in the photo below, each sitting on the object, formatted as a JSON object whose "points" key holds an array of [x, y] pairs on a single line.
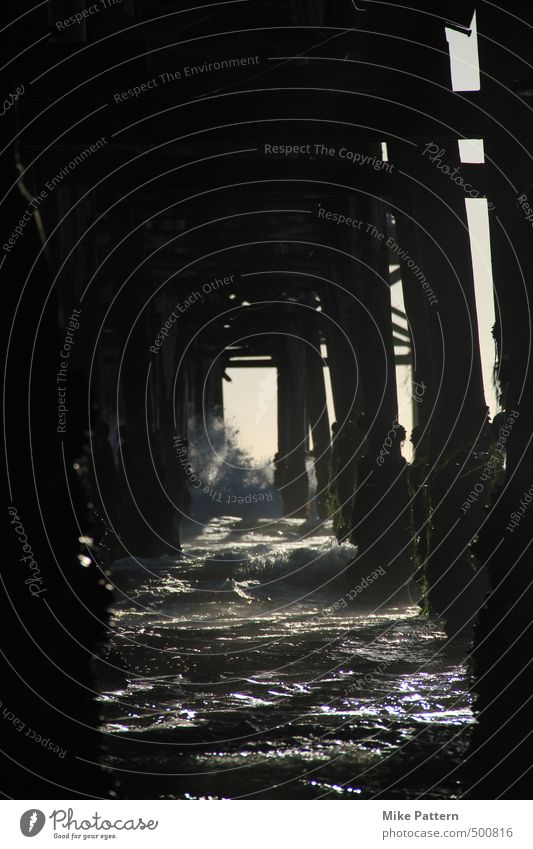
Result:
{"points": [[300, 565]]}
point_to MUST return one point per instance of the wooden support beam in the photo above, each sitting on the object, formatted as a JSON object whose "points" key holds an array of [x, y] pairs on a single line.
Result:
{"points": [[317, 415], [433, 247], [291, 472]]}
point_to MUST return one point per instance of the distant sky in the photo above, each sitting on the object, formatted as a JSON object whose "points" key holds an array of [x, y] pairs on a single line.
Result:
{"points": [[250, 401]]}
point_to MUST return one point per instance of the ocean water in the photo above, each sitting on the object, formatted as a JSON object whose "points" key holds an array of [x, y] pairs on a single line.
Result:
{"points": [[234, 670]]}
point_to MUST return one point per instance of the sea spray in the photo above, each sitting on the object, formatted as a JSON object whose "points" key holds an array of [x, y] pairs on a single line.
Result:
{"points": [[222, 476]]}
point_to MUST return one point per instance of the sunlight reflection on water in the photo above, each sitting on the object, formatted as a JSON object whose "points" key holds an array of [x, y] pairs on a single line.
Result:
{"points": [[227, 665]]}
